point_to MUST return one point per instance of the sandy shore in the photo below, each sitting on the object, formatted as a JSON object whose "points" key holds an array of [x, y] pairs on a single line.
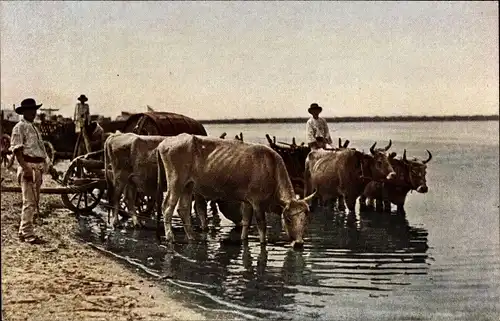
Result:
{"points": [[67, 280]]}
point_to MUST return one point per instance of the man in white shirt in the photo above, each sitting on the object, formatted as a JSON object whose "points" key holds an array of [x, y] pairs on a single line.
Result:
{"points": [[317, 133], [27, 145], [82, 119]]}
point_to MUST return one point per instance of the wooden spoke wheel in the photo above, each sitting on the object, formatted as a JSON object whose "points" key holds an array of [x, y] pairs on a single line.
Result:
{"points": [[49, 148], [87, 199]]}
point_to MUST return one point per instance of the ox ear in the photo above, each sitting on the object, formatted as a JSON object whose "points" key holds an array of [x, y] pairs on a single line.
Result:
{"points": [[392, 155], [310, 197]]}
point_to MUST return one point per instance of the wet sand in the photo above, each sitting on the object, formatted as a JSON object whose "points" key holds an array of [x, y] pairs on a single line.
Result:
{"points": [[65, 279]]}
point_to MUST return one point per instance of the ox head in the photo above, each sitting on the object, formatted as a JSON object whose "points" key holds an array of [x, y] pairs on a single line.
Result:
{"points": [[381, 166], [296, 218], [417, 171]]}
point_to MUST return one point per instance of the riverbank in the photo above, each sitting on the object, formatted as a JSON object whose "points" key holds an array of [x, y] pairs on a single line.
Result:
{"points": [[65, 279]]}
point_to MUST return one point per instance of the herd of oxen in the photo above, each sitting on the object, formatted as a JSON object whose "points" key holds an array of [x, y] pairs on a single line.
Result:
{"points": [[248, 180]]}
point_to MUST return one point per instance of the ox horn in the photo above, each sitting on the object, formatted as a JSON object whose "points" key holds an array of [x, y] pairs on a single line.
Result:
{"points": [[388, 146], [430, 157], [346, 143], [310, 197], [340, 142], [372, 149], [223, 135], [404, 156]]}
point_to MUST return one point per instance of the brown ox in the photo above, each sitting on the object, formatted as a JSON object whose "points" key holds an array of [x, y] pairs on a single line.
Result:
{"points": [[410, 175], [229, 170], [345, 173]]}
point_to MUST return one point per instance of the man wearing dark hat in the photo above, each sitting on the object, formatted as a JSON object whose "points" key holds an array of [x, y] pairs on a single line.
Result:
{"points": [[27, 145], [82, 119], [317, 133]]}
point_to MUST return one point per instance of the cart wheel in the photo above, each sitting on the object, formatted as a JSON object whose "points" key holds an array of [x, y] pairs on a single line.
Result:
{"points": [[84, 201], [49, 148]]}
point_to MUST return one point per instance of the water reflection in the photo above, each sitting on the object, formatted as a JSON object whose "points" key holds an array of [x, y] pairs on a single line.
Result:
{"points": [[373, 253]]}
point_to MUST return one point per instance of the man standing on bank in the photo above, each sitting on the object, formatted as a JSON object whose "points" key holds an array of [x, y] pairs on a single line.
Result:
{"points": [[82, 120], [27, 145], [317, 133]]}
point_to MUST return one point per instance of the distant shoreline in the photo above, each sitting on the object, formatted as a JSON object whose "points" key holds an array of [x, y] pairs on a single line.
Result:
{"points": [[376, 119]]}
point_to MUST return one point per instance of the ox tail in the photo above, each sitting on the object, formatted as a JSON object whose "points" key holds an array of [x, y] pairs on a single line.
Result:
{"points": [[160, 187], [109, 182]]}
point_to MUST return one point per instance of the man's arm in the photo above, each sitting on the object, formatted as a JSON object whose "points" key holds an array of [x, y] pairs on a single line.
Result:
{"points": [[17, 147]]}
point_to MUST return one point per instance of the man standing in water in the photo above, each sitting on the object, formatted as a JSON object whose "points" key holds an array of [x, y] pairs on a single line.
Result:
{"points": [[317, 133], [82, 120], [27, 146]]}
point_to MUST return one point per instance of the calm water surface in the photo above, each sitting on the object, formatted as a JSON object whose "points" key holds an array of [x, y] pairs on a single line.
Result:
{"points": [[442, 262]]}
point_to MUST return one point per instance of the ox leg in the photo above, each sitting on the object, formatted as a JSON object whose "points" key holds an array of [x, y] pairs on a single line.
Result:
{"points": [[184, 211], [247, 211], [131, 197], [341, 203], [370, 206], [215, 211], [260, 217], [387, 206], [379, 205], [168, 206], [401, 209], [351, 203], [200, 205], [362, 204], [115, 221]]}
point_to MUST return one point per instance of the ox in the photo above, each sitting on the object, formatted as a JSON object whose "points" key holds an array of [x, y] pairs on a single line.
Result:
{"points": [[344, 173], [410, 175], [229, 170], [132, 161], [134, 169]]}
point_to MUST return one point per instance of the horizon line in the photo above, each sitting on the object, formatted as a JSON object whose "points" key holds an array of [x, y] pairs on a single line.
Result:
{"points": [[354, 119]]}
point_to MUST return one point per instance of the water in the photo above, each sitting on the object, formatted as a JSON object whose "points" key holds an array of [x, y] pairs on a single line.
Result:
{"points": [[442, 262]]}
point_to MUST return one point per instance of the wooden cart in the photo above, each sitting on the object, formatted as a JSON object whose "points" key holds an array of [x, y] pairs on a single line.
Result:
{"points": [[84, 182]]}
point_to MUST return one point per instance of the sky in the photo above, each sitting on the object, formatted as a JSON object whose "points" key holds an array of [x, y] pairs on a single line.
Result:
{"points": [[213, 60]]}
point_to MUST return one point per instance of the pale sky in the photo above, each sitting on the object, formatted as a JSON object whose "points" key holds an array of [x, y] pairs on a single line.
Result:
{"points": [[233, 59]]}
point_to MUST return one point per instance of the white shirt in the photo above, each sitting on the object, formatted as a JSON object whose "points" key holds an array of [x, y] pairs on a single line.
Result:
{"points": [[25, 135], [317, 128], [82, 113]]}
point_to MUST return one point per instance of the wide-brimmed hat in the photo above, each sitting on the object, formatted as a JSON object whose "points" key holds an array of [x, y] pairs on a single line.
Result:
{"points": [[314, 106], [28, 103], [82, 98]]}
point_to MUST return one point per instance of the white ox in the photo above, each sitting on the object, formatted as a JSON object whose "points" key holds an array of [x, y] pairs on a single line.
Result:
{"points": [[229, 170]]}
